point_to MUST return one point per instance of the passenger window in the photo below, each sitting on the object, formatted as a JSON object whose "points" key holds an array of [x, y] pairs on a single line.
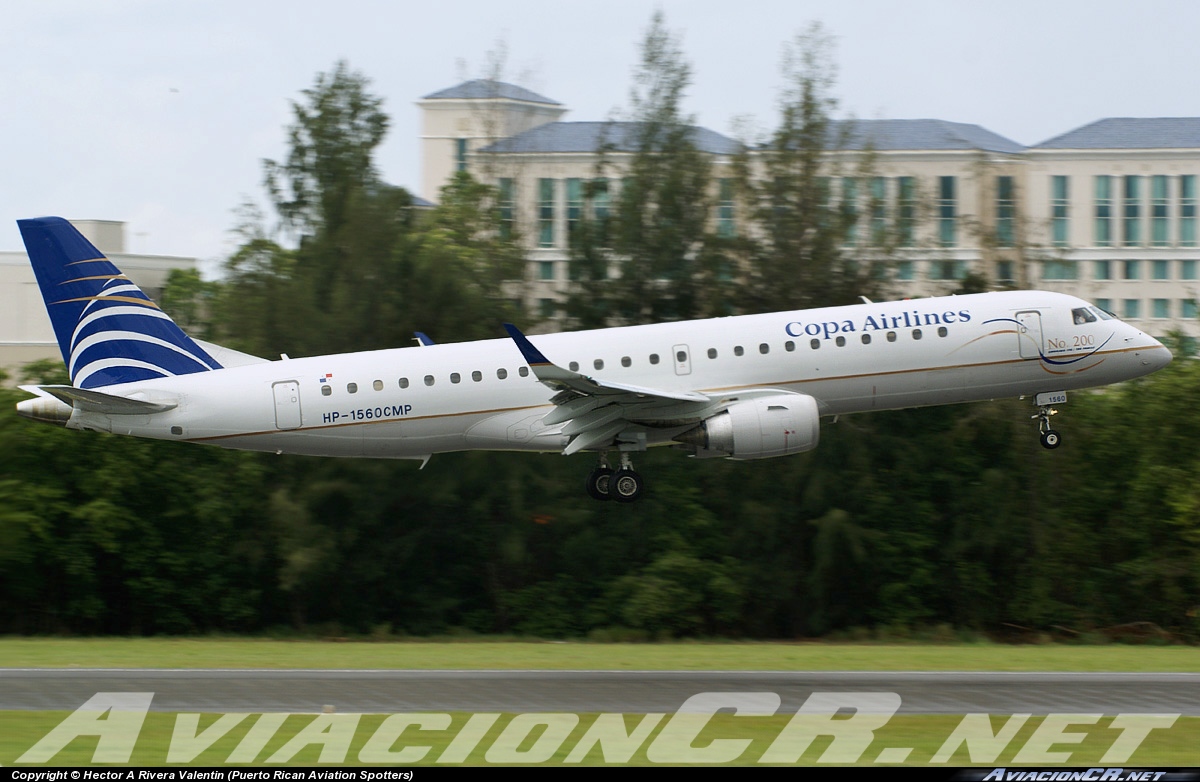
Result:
{"points": [[866, 339], [502, 373], [681, 357], [626, 361], [841, 342], [653, 358], [523, 371], [429, 380], [352, 388], [477, 376], [598, 363], [404, 382], [326, 390], [891, 336], [789, 346], [916, 333], [455, 377], [942, 331], [712, 352], [377, 385], [816, 343], [738, 351], [764, 348], [573, 366]]}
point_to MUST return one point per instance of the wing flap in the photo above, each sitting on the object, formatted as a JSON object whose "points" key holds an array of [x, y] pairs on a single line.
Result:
{"points": [[597, 412]]}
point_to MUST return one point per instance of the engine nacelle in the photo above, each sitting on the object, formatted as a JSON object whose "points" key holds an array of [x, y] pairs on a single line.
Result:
{"points": [[759, 428]]}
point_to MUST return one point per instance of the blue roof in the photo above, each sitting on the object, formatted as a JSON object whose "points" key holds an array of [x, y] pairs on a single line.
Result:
{"points": [[1131, 133], [917, 134], [589, 136], [487, 88]]}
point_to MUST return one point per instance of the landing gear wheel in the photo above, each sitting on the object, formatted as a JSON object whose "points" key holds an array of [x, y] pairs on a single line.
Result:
{"points": [[1050, 439], [625, 485], [598, 482]]}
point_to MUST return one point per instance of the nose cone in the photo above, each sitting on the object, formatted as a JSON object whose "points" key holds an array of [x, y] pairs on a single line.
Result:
{"points": [[1158, 356]]}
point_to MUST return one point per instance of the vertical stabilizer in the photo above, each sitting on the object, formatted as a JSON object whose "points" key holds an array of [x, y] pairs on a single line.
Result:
{"points": [[108, 330]]}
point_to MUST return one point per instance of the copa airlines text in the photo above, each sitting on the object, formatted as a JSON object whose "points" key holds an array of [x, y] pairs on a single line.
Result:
{"points": [[744, 387]]}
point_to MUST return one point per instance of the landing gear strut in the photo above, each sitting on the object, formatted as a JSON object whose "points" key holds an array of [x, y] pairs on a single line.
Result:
{"points": [[622, 485], [1050, 438]]}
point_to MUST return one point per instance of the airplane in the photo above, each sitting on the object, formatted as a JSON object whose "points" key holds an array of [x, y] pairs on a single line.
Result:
{"points": [[740, 387]]}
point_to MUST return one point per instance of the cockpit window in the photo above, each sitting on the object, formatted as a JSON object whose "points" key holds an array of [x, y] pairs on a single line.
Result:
{"points": [[1083, 315], [1104, 314]]}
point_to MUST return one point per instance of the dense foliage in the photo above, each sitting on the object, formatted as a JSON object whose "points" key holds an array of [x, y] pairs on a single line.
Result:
{"points": [[937, 517]]}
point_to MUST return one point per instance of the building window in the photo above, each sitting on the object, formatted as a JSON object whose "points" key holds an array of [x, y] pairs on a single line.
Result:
{"points": [[460, 154], [545, 270], [850, 209], [1162, 308], [1103, 270], [949, 270], [725, 227], [1059, 270], [1158, 211], [1005, 211], [906, 210], [1105, 304], [1187, 270], [1133, 270], [905, 270], [1132, 234], [547, 308], [601, 204], [1187, 308], [1059, 200], [505, 202], [1004, 271], [574, 206], [546, 212], [878, 210], [947, 212], [1103, 235], [1187, 210], [1160, 270], [1131, 309]]}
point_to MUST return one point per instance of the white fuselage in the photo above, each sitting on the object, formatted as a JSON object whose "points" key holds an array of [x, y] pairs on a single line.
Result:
{"points": [[412, 402]]}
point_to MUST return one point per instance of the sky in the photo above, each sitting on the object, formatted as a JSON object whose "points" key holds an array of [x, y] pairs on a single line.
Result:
{"points": [[160, 113]]}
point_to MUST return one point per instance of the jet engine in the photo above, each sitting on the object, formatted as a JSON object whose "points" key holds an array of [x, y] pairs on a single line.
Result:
{"points": [[758, 428]]}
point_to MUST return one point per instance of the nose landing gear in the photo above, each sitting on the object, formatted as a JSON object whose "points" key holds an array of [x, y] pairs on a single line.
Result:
{"points": [[1050, 438]]}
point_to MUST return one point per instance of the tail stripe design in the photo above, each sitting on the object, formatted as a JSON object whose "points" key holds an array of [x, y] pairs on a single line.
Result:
{"points": [[109, 331]]}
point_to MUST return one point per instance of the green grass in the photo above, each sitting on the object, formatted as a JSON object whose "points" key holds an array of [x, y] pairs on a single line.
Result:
{"points": [[549, 655], [922, 735]]}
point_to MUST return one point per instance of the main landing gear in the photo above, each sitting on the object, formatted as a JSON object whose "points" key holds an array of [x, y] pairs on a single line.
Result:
{"points": [[1050, 438], [622, 485]]}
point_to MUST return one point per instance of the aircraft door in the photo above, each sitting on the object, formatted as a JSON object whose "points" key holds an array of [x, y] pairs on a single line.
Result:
{"points": [[1029, 333], [287, 404], [683, 359]]}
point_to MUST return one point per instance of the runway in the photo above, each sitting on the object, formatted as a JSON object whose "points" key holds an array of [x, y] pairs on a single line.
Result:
{"points": [[629, 692]]}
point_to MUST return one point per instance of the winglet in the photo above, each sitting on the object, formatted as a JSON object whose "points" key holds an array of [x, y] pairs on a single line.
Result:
{"points": [[532, 355], [423, 339]]}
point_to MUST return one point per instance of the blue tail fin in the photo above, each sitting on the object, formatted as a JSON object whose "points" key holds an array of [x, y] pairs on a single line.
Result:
{"points": [[108, 330]]}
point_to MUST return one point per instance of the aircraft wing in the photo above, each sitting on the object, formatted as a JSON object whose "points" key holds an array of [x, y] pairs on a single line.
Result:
{"points": [[597, 413]]}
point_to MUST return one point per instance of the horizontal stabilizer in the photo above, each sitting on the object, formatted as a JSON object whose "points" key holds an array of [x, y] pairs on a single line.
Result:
{"points": [[99, 402]]}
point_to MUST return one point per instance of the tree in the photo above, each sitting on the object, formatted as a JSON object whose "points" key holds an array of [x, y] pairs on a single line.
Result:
{"points": [[332, 142], [656, 239], [803, 205]]}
